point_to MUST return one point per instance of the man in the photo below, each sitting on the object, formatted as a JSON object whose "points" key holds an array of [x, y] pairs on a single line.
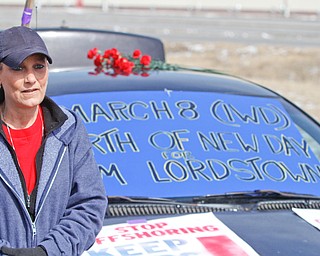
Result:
{"points": [[51, 193]]}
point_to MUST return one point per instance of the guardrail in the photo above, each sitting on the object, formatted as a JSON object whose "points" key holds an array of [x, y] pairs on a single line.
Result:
{"points": [[282, 6]]}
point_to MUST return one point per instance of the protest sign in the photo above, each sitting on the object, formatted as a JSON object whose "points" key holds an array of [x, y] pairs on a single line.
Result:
{"points": [[215, 143], [189, 235]]}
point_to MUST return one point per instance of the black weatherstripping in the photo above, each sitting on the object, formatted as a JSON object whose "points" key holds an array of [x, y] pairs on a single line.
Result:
{"points": [[253, 196]]}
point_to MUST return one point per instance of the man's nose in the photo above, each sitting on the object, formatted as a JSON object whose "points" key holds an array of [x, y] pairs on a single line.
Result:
{"points": [[30, 78]]}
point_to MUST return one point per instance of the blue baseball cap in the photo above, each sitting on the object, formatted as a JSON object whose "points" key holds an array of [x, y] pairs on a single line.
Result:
{"points": [[18, 43]]}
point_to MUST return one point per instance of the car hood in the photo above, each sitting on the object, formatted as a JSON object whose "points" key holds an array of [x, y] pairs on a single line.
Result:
{"points": [[267, 233]]}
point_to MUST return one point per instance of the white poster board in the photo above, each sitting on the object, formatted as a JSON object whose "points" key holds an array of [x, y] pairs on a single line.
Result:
{"points": [[189, 235], [312, 216]]}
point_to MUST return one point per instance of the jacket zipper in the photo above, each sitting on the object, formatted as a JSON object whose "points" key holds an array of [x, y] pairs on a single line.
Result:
{"points": [[34, 232], [33, 223], [28, 201]]}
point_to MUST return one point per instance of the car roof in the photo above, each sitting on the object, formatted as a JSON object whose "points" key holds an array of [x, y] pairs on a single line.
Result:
{"points": [[87, 81], [77, 42]]}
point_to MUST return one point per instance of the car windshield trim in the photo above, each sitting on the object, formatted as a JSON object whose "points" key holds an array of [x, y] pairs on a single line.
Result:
{"points": [[255, 195]]}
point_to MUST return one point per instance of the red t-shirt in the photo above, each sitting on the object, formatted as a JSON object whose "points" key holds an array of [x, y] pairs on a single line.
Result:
{"points": [[27, 143]]}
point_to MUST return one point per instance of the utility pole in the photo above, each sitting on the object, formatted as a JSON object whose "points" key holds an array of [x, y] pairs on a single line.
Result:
{"points": [[27, 13]]}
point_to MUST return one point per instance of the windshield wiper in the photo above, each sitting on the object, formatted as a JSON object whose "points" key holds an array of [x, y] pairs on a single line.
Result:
{"points": [[142, 200], [177, 202], [137, 206], [253, 196]]}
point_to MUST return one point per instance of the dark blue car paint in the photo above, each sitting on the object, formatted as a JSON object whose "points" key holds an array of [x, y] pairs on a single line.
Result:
{"points": [[274, 232]]}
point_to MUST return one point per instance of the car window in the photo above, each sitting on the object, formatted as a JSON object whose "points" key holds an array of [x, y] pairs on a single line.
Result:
{"points": [[70, 56], [163, 143]]}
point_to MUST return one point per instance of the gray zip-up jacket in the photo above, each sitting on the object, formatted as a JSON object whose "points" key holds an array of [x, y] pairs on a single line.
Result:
{"points": [[66, 210]]}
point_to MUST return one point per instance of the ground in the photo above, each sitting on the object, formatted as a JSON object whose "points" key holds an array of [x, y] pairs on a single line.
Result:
{"points": [[291, 71]]}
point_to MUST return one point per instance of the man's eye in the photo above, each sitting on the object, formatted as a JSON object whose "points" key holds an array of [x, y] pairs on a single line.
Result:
{"points": [[39, 66], [17, 68]]}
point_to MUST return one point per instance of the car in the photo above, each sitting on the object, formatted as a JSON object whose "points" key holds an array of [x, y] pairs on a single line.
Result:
{"points": [[194, 162]]}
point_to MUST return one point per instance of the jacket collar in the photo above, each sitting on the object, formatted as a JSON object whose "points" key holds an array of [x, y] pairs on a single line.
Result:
{"points": [[54, 117]]}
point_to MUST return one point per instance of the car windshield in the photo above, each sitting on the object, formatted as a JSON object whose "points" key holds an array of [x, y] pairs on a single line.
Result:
{"points": [[170, 143]]}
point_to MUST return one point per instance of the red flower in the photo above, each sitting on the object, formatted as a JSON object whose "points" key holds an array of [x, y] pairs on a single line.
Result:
{"points": [[92, 53], [136, 54], [111, 53], [125, 65], [98, 61], [145, 60], [114, 64]]}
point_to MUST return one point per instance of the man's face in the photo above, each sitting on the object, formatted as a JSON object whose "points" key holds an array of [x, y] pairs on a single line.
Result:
{"points": [[25, 86]]}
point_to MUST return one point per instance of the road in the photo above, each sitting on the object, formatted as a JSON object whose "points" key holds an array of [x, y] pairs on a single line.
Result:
{"points": [[182, 25], [199, 27]]}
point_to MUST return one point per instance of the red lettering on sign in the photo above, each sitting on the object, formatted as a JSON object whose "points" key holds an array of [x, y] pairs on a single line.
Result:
{"points": [[222, 246]]}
